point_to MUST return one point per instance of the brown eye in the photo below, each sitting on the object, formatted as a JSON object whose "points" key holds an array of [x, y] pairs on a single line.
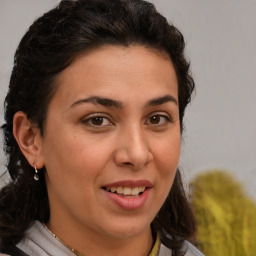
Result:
{"points": [[158, 120], [155, 119], [97, 120]]}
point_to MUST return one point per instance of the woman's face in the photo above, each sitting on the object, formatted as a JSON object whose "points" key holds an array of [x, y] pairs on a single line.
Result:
{"points": [[112, 141]]}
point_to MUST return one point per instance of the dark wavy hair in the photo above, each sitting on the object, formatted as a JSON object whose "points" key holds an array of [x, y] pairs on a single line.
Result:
{"points": [[52, 42]]}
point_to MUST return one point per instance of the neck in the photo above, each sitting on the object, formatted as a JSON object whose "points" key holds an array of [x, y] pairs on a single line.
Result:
{"points": [[101, 244]]}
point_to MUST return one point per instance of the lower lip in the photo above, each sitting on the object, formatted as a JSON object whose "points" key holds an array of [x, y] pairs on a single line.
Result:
{"points": [[129, 203]]}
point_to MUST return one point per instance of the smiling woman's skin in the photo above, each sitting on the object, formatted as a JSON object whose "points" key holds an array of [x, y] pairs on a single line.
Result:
{"points": [[96, 102], [114, 118]]}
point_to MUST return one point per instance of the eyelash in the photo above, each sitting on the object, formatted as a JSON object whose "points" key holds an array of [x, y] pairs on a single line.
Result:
{"points": [[160, 116], [89, 121]]}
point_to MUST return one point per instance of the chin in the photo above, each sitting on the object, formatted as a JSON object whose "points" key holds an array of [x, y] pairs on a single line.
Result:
{"points": [[128, 229]]}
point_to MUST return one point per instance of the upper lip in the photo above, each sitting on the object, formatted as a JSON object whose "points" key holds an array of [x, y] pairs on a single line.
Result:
{"points": [[129, 184]]}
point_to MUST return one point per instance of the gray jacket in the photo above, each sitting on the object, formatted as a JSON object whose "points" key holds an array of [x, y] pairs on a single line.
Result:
{"points": [[39, 242]]}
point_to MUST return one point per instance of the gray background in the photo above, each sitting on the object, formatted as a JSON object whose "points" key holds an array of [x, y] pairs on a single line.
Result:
{"points": [[221, 45]]}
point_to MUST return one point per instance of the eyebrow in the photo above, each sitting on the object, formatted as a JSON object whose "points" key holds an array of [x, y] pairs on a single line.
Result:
{"points": [[99, 100], [162, 100], [117, 104]]}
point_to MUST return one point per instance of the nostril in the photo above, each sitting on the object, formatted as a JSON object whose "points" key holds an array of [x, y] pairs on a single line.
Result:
{"points": [[127, 163], [132, 157]]}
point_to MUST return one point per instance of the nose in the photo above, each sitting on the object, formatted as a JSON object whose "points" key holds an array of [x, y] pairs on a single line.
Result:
{"points": [[133, 149]]}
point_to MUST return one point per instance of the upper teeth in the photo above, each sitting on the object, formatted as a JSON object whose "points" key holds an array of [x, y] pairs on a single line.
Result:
{"points": [[126, 190]]}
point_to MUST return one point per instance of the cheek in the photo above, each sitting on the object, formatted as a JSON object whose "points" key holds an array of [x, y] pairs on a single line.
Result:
{"points": [[167, 153], [92, 156], [77, 152], [73, 166]]}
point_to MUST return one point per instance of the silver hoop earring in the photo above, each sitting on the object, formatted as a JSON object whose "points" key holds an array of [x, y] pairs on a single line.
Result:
{"points": [[36, 176]]}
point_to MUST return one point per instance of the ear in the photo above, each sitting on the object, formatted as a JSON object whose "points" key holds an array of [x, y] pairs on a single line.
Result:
{"points": [[29, 139]]}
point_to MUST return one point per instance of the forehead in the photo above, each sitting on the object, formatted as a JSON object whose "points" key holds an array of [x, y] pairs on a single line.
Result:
{"points": [[112, 69]]}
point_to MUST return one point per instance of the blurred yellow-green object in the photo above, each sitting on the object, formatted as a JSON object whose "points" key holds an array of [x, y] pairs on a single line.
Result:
{"points": [[226, 216]]}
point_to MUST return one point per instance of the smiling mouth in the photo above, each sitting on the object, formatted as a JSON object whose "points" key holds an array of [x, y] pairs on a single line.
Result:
{"points": [[126, 192]]}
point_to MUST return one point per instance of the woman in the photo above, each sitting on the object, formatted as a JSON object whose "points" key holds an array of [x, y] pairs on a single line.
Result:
{"points": [[94, 116]]}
